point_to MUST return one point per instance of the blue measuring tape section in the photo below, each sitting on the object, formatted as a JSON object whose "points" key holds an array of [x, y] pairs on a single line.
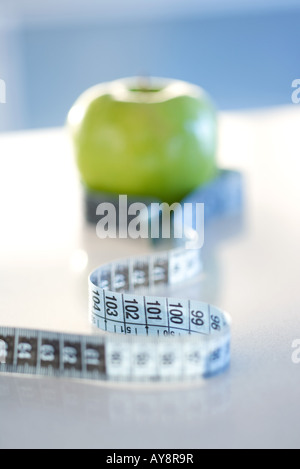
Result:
{"points": [[221, 197], [144, 337]]}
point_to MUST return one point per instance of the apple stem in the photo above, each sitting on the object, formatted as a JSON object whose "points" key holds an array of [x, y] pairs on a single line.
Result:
{"points": [[144, 83]]}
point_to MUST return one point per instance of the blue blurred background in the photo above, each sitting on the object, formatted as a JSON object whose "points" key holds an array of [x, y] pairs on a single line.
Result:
{"points": [[246, 54]]}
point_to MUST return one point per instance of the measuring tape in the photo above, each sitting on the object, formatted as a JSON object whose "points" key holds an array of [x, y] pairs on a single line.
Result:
{"points": [[161, 338], [147, 338]]}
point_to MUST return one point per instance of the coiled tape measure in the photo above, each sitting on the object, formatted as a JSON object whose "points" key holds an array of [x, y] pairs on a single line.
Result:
{"points": [[147, 337]]}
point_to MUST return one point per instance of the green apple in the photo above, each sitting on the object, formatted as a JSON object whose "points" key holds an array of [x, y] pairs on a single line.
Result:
{"points": [[154, 138]]}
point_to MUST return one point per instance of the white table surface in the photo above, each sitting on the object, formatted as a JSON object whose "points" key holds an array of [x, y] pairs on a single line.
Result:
{"points": [[253, 273]]}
